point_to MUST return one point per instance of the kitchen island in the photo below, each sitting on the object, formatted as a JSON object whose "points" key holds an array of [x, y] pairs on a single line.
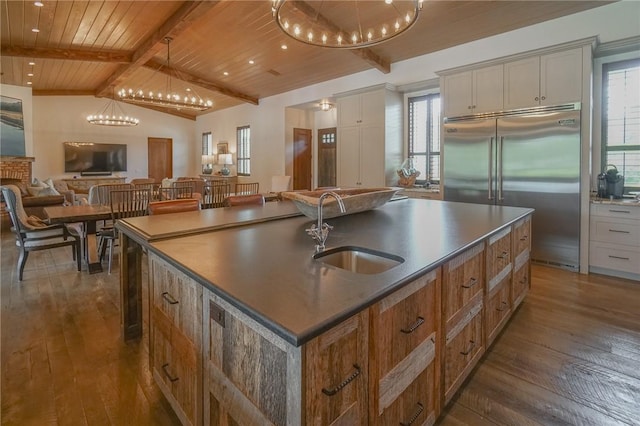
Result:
{"points": [[246, 325]]}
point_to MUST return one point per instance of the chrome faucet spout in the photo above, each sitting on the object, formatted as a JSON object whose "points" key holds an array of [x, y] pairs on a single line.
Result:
{"points": [[320, 231]]}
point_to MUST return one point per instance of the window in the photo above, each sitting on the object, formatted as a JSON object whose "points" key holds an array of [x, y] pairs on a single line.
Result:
{"points": [[621, 120], [243, 137], [207, 143], [424, 136]]}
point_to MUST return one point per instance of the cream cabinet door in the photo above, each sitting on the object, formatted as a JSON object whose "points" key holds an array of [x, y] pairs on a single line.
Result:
{"points": [[522, 83], [348, 156], [349, 111], [488, 89], [458, 92], [561, 77], [372, 157]]}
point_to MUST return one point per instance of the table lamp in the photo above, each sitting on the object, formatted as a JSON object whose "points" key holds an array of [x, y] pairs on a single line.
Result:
{"points": [[225, 159]]}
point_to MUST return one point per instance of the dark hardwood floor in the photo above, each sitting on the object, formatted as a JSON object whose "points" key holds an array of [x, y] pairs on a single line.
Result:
{"points": [[569, 356]]}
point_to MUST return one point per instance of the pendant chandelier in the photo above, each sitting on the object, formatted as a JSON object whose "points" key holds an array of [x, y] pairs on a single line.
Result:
{"points": [[113, 115], [345, 24], [166, 97]]}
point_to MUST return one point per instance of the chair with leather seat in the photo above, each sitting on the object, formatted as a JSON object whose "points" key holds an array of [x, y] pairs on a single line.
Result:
{"points": [[32, 234], [173, 206], [244, 200]]}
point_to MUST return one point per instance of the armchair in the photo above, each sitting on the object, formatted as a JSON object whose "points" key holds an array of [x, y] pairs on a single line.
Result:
{"points": [[32, 234]]}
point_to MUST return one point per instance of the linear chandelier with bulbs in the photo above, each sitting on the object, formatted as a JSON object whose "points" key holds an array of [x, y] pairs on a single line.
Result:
{"points": [[166, 98], [345, 24]]}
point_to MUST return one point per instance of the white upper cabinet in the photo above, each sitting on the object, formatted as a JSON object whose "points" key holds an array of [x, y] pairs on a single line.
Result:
{"points": [[365, 109], [549, 79], [474, 91]]}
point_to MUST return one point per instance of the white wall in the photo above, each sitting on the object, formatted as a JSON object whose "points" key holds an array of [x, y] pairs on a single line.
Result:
{"points": [[24, 94], [59, 119], [611, 22]]}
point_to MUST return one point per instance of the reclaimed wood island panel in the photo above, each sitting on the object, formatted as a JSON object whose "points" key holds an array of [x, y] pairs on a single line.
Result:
{"points": [[246, 328]]}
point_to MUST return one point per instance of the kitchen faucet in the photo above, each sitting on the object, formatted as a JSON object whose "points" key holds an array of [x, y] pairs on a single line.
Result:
{"points": [[320, 232]]}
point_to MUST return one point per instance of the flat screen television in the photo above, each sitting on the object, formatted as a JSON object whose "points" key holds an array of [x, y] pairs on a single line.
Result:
{"points": [[94, 158]]}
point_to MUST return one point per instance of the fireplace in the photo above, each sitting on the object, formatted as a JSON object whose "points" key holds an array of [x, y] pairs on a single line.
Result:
{"points": [[17, 168]]}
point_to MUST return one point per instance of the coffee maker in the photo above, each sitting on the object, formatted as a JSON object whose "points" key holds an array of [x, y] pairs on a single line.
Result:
{"points": [[614, 182]]}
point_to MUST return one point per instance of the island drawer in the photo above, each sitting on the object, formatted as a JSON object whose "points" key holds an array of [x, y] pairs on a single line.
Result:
{"points": [[463, 279], [498, 253], [464, 347], [498, 308], [403, 320], [416, 404], [520, 282], [522, 236]]}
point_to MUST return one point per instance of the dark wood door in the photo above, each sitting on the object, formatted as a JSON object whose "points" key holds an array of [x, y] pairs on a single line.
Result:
{"points": [[301, 158], [327, 144], [160, 158]]}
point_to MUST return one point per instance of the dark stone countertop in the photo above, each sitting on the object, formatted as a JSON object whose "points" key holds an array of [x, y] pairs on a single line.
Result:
{"points": [[267, 269]]}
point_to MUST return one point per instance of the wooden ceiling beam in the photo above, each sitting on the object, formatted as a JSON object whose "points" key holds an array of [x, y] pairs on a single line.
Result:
{"points": [[188, 12], [111, 56], [180, 75], [364, 53]]}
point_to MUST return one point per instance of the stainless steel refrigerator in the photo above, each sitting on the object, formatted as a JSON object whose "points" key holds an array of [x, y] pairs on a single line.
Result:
{"points": [[524, 158]]}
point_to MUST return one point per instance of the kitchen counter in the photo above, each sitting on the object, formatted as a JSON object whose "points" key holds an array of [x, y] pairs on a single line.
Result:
{"points": [[266, 270], [616, 201]]}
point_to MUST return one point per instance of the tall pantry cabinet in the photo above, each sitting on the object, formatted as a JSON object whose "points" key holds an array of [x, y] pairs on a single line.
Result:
{"points": [[369, 137]]}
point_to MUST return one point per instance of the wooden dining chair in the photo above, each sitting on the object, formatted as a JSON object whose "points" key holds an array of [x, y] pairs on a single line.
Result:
{"points": [[174, 193], [247, 188], [244, 200], [124, 203], [214, 195], [174, 206], [32, 234]]}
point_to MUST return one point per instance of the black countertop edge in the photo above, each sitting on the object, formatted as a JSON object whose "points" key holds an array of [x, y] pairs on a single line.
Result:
{"points": [[319, 328]]}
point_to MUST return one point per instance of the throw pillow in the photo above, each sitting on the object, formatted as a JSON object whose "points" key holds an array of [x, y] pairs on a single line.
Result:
{"points": [[34, 190], [36, 222], [47, 192]]}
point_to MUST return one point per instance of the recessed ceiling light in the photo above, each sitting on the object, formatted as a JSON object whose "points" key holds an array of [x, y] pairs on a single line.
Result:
{"points": [[225, 73], [30, 74], [188, 90], [251, 62], [283, 47], [38, 3], [32, 63], [28, 82], [35, 30]]}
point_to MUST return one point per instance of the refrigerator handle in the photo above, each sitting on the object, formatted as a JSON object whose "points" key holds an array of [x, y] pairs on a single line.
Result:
{"points": [[490, 196], [499, 166]]}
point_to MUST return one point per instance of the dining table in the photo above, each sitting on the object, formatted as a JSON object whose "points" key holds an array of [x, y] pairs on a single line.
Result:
{"points": [[88, 215]]}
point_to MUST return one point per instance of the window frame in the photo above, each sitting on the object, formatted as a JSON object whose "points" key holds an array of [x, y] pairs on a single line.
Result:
{"points": [[614, 65], [412, 98], [243, 153]]}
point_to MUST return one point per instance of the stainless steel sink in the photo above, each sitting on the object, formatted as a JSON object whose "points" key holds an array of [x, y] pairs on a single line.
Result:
{"points": [[358, 259]]}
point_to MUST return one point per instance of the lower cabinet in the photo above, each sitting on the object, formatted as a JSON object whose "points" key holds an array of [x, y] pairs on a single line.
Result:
{"points": [[498, 308], [175, 338]]}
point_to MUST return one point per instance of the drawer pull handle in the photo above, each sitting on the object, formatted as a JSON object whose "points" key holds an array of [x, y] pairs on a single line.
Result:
{"points": [[620, 211], [169, 298], [523, 281], [619, 257], [502, 307], [524, 238], [619, 232], [415, 416], [345, 382], [413, 327], [472, 282], [165, 370], [503, 255], [468, 351]]}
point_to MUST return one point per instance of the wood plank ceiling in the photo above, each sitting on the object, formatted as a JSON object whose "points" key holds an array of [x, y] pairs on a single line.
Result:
{"points": [[99, 47]]}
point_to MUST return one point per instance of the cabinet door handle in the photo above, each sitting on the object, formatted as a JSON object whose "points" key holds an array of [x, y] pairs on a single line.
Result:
{"points": [[544, 97], [169, 298], [619, 257], [468, 351], [419, 410], [523, 281], [345, 382], [471, 283], [619, 232], [620, 211], [524, 238], [165, 370], [413, 327], [502, 307], [503, 255], [536, 98]]}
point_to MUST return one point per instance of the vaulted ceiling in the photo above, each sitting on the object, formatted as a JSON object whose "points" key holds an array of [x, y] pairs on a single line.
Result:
{"points": [[99, 47]]}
